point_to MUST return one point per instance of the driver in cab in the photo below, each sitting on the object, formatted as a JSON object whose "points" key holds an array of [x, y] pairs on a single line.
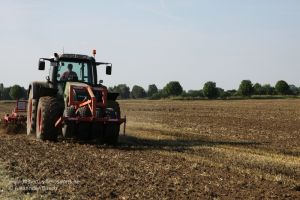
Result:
{"points": [[69, 75]]}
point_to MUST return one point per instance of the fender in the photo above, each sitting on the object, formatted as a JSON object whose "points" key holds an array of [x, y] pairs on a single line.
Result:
{"points": [[41, 89], [112, 96]]}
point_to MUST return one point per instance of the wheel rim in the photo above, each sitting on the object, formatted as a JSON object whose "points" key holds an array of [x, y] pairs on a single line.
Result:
{"points": [[40, 120], [30, 111]]}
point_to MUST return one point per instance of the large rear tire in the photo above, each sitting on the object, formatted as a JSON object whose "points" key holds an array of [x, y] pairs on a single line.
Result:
{"points": [[112, 130], [48, 111], [31, 114], [111, 133]]}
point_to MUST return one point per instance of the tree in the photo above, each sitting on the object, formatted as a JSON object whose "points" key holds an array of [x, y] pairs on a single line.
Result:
{"points": [[5, 94], [173, 88], [25, 92], [246, 88], [195, 93], [138, 92], [16, 92], [156, 96], [267, 89], [210, 90], [282, 87], [257, 89], [294, 90], [152, 89], [231, 93], [122, 89], [1, 90], [225, 94], [221, 93]]}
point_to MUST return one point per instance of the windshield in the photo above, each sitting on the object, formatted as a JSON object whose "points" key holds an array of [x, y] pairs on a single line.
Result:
{"points": [[74, 71]]}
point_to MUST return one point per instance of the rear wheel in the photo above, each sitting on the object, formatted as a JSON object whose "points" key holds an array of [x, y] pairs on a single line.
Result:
{"points": [[31, 114], [48, 112], [111, 132]]}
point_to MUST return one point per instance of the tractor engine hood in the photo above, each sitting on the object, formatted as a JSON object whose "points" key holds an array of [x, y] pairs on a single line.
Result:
{"points": [[80, 92]]}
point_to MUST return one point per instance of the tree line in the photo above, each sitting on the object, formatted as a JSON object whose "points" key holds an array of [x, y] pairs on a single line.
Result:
{"points": [[209, 91], [174, 89], [12, 93]]}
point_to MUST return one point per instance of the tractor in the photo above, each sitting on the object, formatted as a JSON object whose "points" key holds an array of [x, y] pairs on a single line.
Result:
{"points": [[72, 103]]}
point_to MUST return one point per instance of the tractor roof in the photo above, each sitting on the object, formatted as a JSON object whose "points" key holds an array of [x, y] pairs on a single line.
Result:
{"points": [[75, 56]]}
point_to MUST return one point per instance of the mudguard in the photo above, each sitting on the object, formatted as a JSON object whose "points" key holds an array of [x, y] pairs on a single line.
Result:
{"points": [[41, 89], [112, 96]]}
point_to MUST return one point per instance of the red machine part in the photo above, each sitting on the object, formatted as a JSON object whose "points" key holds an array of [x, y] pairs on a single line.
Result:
{"points": [[15, 116], [92, 103]]}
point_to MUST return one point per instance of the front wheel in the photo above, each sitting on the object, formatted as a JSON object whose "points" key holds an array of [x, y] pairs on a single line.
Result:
{"points": [[48, 111], [83, 128], [68, 129]]}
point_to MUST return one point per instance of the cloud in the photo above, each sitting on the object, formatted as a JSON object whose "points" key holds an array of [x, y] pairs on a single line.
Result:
{"points": [[163, 4], [161, 10]]}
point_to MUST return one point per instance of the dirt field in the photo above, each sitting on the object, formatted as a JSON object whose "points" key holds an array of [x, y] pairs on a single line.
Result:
{"points": [[173, 150]]}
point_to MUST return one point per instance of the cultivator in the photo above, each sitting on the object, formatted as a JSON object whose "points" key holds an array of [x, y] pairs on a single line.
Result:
{"points": [[94, 99], [18, 115]]}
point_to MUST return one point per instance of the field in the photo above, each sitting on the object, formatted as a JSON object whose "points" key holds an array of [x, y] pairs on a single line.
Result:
{"points": [[246, 149]]}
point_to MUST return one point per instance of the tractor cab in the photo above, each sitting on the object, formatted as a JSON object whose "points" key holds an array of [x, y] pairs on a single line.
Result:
{"points": [[73, 67]]}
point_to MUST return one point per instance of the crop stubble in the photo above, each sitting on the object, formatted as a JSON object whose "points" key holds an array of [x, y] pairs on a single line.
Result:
{"points": [[174, 149]]}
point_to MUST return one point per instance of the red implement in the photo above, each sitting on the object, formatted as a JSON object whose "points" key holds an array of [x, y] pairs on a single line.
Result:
{"points": [[92, 104], [17, 116]]}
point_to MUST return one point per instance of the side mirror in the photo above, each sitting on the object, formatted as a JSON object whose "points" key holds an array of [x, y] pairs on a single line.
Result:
{"points": [[108, 70], [41, 65]]}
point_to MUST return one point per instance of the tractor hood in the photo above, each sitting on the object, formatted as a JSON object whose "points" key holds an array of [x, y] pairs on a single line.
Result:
{"points": [[82, 92], [67, 90]]}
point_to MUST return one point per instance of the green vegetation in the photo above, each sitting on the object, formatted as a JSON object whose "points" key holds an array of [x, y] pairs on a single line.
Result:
{"points": [[282, 88], [152, 90], [16, 92], [257, 89], [210, 90], [173, 90], [138, 92], [122, 89], [12, 93], [246, 88]]}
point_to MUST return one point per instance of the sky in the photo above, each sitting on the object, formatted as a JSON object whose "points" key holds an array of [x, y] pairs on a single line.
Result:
{"points": [[157, 41]]}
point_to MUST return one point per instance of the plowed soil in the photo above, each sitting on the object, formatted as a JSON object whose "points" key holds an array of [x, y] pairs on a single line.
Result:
{"points": [[172, 150]]}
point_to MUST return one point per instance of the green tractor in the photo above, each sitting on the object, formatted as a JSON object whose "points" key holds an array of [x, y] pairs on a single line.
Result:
{"points": [[72, 103]]}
